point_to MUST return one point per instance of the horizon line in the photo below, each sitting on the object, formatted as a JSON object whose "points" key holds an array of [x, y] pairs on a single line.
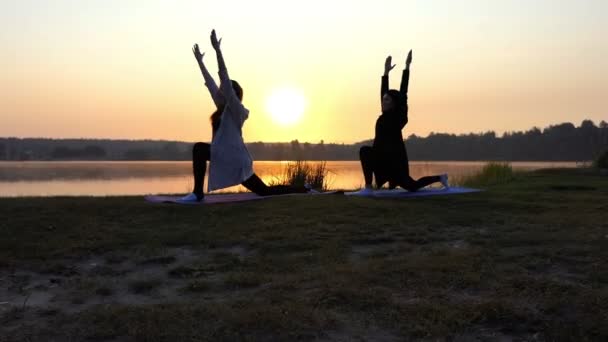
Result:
{"points": [[497, 133]]}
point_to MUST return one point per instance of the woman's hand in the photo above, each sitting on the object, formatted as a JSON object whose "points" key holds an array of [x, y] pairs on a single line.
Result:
{"points": [[388, 66], [408, 60], [197, 53], [214, 42]]}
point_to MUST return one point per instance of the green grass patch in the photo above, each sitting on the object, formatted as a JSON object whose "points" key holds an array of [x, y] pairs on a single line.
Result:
{"points": [[491, 174]]}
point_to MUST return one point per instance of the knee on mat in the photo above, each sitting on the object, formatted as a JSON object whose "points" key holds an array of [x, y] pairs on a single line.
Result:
{"points": [[198, 148], [365, 152], [410, 188]]}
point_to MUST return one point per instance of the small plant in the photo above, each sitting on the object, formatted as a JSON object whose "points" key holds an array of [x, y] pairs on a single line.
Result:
{"points": [[491, 173], [318, 176], [301, 172]]}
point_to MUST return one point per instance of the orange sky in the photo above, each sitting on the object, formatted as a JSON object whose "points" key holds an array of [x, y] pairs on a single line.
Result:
{"points": [[117, 69]]}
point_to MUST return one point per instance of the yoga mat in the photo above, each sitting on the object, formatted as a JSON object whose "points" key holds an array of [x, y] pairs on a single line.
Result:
{"points": [[400, 193], [224, 198]]}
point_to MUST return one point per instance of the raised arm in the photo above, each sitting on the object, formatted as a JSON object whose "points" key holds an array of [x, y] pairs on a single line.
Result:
{"points": [[405, 78], [388, 66], [225, 83], [209, 81], [241, 114]]}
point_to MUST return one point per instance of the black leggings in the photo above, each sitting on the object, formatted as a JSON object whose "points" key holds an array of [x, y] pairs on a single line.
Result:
{"points": [[201, 153], [368, 164]]}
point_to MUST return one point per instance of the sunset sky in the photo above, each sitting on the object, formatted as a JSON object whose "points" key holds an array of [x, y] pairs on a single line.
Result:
{"points": [[124, 69]]}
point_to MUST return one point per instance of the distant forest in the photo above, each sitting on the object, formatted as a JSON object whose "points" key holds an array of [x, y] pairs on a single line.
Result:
{"points": [[562, 142]]}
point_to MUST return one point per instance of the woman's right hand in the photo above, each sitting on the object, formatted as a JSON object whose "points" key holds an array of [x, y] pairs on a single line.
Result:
{"points": [[197, 53], [388, 66]]}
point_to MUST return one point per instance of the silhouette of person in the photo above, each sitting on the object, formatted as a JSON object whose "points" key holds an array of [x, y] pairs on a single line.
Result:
{"points": [[386, 159], [229, 160]]}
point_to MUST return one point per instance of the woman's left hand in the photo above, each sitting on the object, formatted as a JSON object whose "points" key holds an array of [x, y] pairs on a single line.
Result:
{"points": [[197, 53], [214, 42]]}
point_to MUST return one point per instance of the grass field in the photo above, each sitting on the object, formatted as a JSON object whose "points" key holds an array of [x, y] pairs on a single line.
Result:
{"points": [[524, 260]]}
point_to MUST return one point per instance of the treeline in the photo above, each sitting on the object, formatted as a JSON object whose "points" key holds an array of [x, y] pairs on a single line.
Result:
{"points": [[92, 149], [562, 142]]}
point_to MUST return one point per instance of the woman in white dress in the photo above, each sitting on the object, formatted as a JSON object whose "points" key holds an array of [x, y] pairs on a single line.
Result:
{"points": [[229, 160]]}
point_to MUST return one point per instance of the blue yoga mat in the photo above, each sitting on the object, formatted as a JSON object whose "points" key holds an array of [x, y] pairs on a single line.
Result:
{"points": [[400, 193]]}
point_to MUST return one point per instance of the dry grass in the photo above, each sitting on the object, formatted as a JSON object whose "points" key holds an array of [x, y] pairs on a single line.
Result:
{"points": [[299, 173]]}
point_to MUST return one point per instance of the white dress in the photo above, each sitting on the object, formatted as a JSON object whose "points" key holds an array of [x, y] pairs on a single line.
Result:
{"points": [[230, 162]]}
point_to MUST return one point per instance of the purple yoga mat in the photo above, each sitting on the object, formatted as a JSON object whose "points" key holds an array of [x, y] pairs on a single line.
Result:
{"points": [[222, 198]]}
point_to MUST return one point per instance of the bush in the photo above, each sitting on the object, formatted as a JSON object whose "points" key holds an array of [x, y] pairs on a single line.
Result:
{"points": [[302, 172], [492, 173], [602, 161]]}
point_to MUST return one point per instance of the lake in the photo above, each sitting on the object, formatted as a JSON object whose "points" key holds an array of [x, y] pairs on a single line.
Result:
{"points": [[159, 177]]}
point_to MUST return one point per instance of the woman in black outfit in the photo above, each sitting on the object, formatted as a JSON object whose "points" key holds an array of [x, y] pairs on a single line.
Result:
{"points": [[387, 158]]}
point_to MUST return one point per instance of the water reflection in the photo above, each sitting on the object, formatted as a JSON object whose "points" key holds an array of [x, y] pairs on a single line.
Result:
{"points": [[138, 178]]}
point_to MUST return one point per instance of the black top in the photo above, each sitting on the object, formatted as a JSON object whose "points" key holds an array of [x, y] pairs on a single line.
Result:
{"points": [[389, 149]]}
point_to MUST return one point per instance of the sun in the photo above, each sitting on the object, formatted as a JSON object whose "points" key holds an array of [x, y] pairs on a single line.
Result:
{"points": [[286, 105]]}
